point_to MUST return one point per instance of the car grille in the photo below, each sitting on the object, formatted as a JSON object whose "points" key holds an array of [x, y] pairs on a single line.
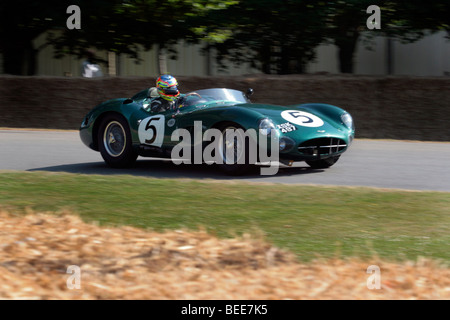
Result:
{"points": [[322, 146]]}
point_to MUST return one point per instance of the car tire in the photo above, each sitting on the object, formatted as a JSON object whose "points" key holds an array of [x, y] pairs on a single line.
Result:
{"points": [[234, 169], [323, 163], [114, 141]]}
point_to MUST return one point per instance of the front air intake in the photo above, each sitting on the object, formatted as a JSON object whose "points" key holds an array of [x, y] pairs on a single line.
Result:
{"points": [[322, 146]]}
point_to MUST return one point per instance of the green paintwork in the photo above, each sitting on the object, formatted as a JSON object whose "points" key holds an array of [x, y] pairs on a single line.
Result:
{"points": [[212, 113]]}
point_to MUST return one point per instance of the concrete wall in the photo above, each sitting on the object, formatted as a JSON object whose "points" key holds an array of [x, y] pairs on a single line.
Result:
{"points": [[383, 107]]}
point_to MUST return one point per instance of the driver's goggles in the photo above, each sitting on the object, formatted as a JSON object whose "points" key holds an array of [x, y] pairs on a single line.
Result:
{"points": [[171, 90]]}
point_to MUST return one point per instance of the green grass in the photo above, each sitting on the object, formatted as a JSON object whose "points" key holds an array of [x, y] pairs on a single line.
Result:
{"points": [[310, 221]]}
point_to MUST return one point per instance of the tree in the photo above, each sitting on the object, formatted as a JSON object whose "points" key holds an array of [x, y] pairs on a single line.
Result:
{"points": [[405, 20], [273, 36], [121, 26], [345, 20], [21, 22], [132, 25], [411, 20]]}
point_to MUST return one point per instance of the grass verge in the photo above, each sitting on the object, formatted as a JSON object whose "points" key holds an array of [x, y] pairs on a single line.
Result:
{"points": [[310, 221]]}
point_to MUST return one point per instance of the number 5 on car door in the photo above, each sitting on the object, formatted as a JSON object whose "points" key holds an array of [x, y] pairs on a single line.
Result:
{"points": [[151, 130]]}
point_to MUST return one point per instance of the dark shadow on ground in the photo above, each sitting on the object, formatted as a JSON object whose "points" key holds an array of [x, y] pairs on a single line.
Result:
{"points": [[167, 169]]}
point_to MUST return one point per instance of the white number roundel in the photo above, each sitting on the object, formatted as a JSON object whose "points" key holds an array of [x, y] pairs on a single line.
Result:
{"points": [[302, 118], [151, 130]]}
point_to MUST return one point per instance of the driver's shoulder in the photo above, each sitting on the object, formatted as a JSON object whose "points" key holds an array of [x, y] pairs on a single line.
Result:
{"points": [[153, 93]]}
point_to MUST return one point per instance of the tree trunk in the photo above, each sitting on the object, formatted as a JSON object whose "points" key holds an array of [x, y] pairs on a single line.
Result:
{"points": [[291, 61], [265, 56], [345, 60], [162, 60], [346, 48], [284, 61], [19, 58]]}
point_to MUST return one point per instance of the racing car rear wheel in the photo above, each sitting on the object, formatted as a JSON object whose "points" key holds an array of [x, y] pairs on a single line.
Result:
{"points": [[235, 147], [323, 163], [114, 141]]}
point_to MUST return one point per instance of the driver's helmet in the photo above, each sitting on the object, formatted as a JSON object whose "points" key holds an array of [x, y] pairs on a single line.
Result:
{"points": [[167, 87]]}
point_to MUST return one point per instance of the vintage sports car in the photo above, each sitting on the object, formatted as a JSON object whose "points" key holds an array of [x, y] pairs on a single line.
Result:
{"points": [[123, 129]]}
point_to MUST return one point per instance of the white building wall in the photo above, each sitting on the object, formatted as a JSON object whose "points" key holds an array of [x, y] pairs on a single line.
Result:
{"points": [[373, 60], [429, 56], [190, 62], [326, 60], [69, 65], [367, 60]]}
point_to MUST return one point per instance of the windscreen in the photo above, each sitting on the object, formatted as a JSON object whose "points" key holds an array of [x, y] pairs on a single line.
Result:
{"points": [[207, 96]]}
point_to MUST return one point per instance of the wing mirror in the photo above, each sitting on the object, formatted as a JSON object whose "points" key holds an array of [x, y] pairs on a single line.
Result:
{"points": [[249, 93]]}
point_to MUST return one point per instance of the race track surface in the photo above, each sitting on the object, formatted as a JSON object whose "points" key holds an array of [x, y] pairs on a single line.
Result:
{"points": [[373, 163]]}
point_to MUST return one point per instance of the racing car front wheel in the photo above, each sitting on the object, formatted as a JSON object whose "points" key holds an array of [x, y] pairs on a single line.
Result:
{"points": [[323, 163], [114, 142], [233, 151]]}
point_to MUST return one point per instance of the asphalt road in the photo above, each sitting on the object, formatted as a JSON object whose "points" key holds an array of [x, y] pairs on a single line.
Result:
{"points": [[375, 163]]}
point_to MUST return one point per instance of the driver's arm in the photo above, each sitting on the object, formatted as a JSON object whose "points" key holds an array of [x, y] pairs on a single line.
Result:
{"points": [[156, 105], [183, 98]]}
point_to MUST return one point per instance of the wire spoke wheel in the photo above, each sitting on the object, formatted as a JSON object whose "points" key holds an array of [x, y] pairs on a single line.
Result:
{"points": [[115, 142], [114, 139], [231, 145], [233, 150]]}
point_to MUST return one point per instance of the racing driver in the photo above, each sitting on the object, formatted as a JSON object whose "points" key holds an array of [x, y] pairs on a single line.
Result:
{"points": [[165, 94]]}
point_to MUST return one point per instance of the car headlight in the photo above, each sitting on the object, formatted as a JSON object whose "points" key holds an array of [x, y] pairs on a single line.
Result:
{"points": [[86, 121], [265, 126], [348, 120], [286, 144]]}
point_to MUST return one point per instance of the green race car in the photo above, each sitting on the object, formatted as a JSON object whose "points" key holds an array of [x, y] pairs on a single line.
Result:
{"points": [[123, 129]]}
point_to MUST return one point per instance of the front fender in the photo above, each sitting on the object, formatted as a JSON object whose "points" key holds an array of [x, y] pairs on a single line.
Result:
{"points": [[330, 113], [91, 122], [326, 110]]}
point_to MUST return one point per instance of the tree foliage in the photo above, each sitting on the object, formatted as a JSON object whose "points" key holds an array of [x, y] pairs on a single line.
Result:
{"points": [[280, 36], [121, 26], [274, 36], [21, 21], [127, 26]]}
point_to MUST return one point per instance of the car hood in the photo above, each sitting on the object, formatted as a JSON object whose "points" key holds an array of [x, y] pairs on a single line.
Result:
{"points": [[274, 113]]}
